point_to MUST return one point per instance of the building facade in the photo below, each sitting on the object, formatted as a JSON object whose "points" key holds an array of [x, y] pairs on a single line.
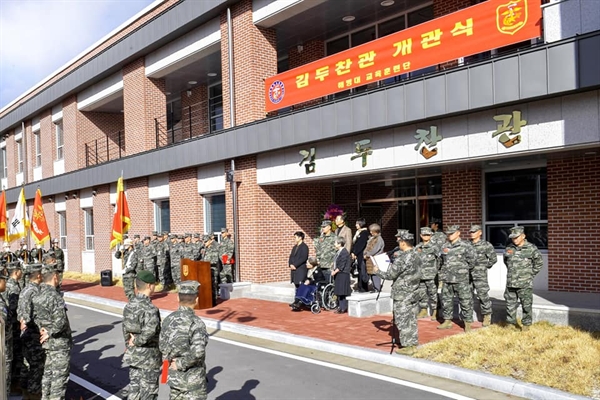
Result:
{"points": [[174, 100]]}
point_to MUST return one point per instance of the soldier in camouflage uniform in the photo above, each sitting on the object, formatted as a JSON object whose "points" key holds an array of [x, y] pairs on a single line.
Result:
{"points": [[211, 255], [137, 243], [8, 335], [198, 246], [405, 276], [176, 254], [50, 315], [429, 255], [147, 256], [130, 267], [325, 249], [458, 259], [523, 262], [438, 238], [11, 295], [188, 249], [161, 248], [141, 330], [226, 248], [486, 258], [183, 341], [59, 255], [33, 367]]}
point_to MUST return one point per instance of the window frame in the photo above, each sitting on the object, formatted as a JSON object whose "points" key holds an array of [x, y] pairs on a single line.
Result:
{"points": [[62, 228], [158, 222], [20, 158], [59, 136], [208, 220], [37, 139], [88, 219], [4, 163]]}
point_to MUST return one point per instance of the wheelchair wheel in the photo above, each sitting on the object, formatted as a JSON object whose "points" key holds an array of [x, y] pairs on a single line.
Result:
{"points": [[315, 308], [330, 300]]}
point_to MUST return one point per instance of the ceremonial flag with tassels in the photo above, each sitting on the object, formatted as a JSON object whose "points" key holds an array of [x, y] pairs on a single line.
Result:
{"points": [[3, 219], [19, 224], [39, 226], [121, 219]]}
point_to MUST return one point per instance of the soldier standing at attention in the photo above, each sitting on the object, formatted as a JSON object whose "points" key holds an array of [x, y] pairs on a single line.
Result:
{"points": [[11, 295], [32, 371], [325, 249], [50, 315], [5, 315], [176, 256], [130, 261], [486, 258], [405, 276], [137, 242], [211, 255], [458, 259], [147, 256], [523, 262], [60, 260], [160, 247], [183, 341], [428, 254], [141, 330], [226, 250], [438, 238]]}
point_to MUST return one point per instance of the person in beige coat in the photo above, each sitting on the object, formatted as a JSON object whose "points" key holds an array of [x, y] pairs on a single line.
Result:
{"points": [[344, 231]]}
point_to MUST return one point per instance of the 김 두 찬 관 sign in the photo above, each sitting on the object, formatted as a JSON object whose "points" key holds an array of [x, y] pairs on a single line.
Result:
{"points": [[485, 26]]}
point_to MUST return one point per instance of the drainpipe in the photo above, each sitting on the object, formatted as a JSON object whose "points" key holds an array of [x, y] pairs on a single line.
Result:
{"points": [[236, 240]]}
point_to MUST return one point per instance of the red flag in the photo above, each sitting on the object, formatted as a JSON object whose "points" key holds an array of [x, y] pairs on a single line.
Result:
{"points": [[165, 372], [121, 220], [3, 230], [39, 226]]}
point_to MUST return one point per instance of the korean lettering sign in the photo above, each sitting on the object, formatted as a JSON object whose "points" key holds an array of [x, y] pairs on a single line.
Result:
{"points": [[485, 26]]}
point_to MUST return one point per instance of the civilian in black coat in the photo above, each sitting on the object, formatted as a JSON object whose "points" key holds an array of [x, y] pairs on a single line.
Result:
{"points": [[342, 264], [360, 242], [297, 260]]}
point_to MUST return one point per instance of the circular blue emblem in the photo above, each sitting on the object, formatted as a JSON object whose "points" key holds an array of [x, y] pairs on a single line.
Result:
{"points": [[276, 92]]}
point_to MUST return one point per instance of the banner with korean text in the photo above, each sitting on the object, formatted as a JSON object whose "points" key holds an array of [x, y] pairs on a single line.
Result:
{"points": [[485, 26]]}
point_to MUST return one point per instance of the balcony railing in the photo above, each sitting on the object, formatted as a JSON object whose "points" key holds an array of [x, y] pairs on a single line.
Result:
{"points": [[192, 121], [105, 149]]}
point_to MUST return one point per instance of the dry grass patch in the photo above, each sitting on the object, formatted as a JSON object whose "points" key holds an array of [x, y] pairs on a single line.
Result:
{"points": [[88, 278], [560, 357]]}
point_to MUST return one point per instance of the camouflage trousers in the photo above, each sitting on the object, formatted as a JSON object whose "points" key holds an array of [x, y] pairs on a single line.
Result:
{"points": [[128, 286], [56, 374], [176, 394], [405, 318], [513, 297], [483, 294], [143, 384], [427, 294], [214, 271], [226, 274], [17, 356], [465, 299], [33, 367], [8, 357], [176, 272], [164, 272]]}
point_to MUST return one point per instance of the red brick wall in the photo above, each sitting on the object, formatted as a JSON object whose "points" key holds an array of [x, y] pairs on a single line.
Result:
{"points": [[99, 126], [103, 217], [461, 201], [313, 50], [185, 202], [144, 100], [444, 7], [140, 207], [48, 143], [70, 129], [29, 152], [255, 58], [50, 215], [573, 247], [11, 155], [196, 107], [75, 233]]}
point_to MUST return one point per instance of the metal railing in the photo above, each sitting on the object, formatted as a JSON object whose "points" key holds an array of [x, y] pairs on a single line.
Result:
{"points": [[105, 149], [194, 121]]}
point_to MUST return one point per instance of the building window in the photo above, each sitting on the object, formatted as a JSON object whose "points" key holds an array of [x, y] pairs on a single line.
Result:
{"points": [[88, 214], [215, 217], [162, 215], [20, 161], [38, 149], [4, 163], [60, 140], [62, 229], [215, 107], [517, 198]]}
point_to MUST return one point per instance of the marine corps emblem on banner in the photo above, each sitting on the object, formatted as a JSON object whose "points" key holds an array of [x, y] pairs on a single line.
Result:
{"points": [[185, 270], [511, 17]]}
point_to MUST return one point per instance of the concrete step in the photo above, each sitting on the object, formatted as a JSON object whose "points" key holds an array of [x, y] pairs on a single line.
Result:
{"points": [[288, 290], [279, 298]]}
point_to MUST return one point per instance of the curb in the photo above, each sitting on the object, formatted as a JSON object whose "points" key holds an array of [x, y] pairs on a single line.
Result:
{"points": [[481, 379]]}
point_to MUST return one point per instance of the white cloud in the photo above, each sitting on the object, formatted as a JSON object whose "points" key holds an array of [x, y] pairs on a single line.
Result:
{"points": [[38, 37]]}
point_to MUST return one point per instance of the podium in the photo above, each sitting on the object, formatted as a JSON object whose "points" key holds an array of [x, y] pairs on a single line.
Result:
{"points": [[198, 271]]}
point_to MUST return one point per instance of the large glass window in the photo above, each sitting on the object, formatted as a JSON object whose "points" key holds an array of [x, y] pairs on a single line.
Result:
{"points": [[88, 215], [162, 215], [215, 217], [62, 228], [20, 161], [4, 171], [60, 141], [517, 198], [215, 105], [38, 149]]}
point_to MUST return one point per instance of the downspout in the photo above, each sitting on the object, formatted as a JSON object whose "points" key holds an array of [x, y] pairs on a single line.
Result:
{"points": [[25, 169]]}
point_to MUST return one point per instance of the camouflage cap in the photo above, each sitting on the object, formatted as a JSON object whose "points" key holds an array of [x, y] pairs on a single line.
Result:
{"points": [[127, 242], [179, 236], [516, 231], [325, 223], [434, 220], [188, 235], [404, 234], [452, 229], [48, 268], [14, 265], [223, 230], [136, 236], [197, 235], [206, 238], [55, 240], [426, 231], [164, 233], [154, 233], [34, 268], [146, 276], [146, 237], [189, 287], [475, 228]]}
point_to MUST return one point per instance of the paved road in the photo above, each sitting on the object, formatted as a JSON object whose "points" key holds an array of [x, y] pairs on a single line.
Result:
{"points": [[240, 371]]}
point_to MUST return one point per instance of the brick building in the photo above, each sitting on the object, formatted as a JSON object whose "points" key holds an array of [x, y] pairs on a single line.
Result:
{"points": [[175, 100]]}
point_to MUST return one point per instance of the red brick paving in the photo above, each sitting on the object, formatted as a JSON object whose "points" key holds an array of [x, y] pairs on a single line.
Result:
{"points": [[372, 332]]}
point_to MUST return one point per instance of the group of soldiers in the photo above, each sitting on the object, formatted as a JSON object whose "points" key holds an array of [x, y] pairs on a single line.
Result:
{"points": [[161, 254], [38, 337], [178, 344]]}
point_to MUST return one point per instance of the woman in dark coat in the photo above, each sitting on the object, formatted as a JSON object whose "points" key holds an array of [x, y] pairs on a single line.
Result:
{"points": [[360, 242], [342, 264], [297, 260]]}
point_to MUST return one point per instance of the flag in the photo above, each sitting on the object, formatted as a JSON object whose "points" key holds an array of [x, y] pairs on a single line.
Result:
{"points": [[3, 230], [39, 226], [19, 223], [121, 219]]}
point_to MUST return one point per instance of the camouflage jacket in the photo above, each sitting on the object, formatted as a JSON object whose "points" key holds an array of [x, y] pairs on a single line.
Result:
{"points": [[37, 255], [523, 264], [429, 256], [141, 318], [175, 253], [404, 272], [439, 239], [60, 258], [4, 314], [50, 313], [325, 249], [162, 251], [147, 257], [211, 253], [486, 258], [25, 307], [226, 247], [131, 263], [458, 259], [13, 290], [184, 338], [187, 250]]}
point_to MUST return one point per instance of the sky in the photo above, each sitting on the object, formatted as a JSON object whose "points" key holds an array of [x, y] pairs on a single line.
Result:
{"points": [[39, 36]]}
